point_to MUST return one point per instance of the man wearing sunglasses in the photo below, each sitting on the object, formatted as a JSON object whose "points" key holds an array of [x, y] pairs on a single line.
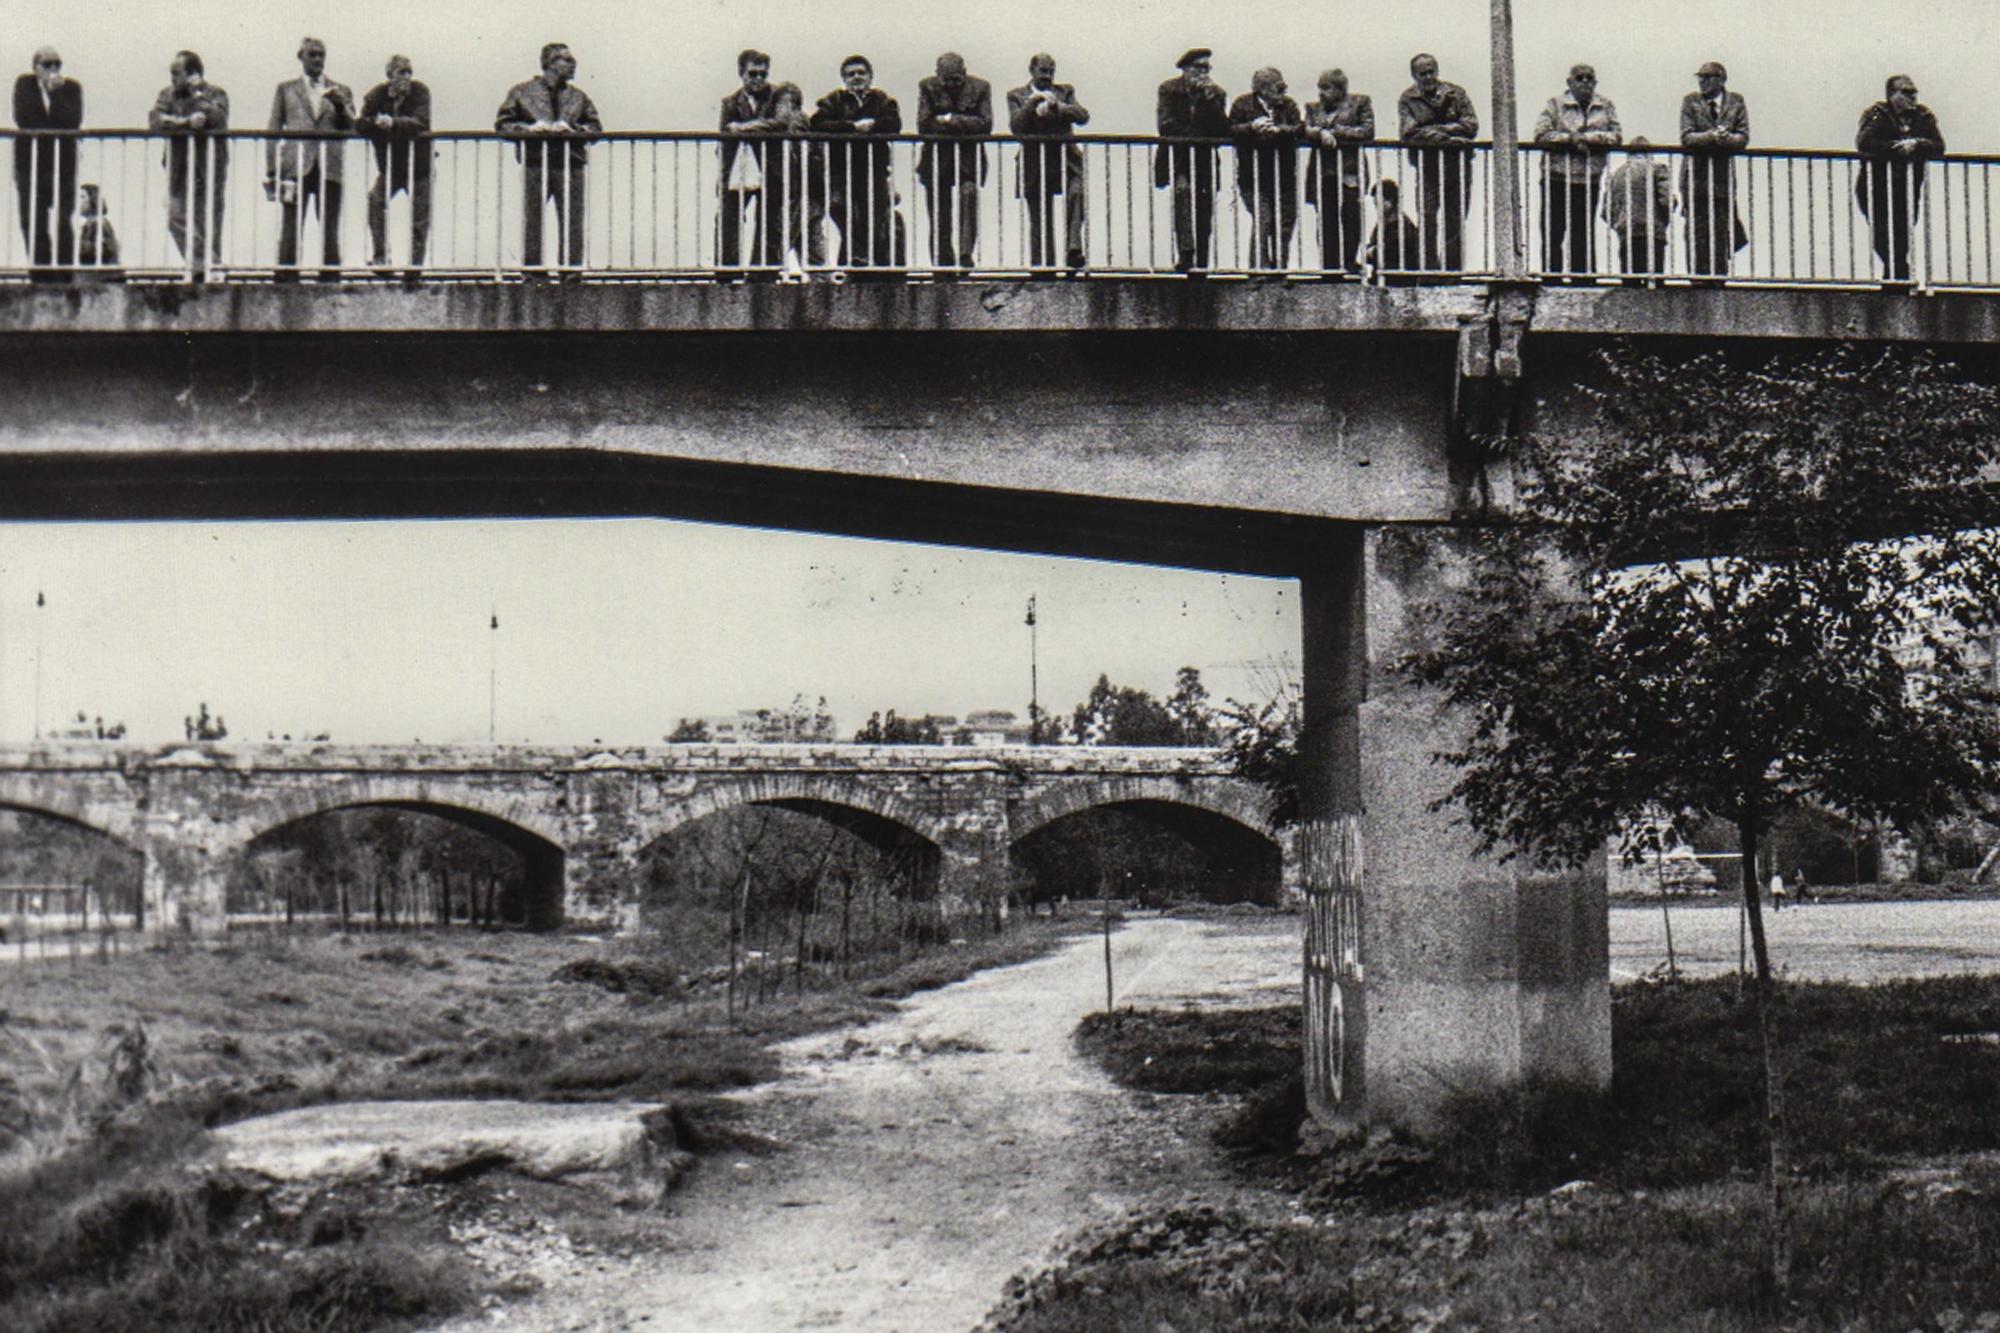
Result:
{"points": [[45, 167]]}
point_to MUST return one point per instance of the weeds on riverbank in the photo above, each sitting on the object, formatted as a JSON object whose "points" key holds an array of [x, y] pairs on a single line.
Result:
{"points": [[1491, 1223], [103, 1227]]}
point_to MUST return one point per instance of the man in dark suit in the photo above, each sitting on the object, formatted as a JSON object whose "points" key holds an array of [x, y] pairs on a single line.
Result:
{"points": [[1045, 114], [746, 111], [396, 118], [1897, 136], [1191, 106], [954, 105], [45, 168], [859, 198], [1337, 125], [1715, 126], [1267, 127], [296, 170], [554, 122]]}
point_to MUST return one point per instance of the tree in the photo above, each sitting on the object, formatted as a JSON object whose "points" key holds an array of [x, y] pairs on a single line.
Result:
{"points": [[1190, 709], [202, 727], [689, 730], [1124, 715], [1734, 592], [893, 730]]}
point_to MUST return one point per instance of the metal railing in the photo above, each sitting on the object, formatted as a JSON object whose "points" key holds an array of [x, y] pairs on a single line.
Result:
{"points": [[135, 205]]}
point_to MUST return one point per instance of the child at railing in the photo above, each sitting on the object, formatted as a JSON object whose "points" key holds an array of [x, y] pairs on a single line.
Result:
{"points": [[96, 241]]}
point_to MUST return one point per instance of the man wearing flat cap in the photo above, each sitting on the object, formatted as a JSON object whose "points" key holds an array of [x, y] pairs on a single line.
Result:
{"points": [[1715, 126], [1191, 106]]}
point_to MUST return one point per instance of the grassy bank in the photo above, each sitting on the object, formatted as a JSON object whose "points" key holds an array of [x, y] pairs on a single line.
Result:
{"points": [[1895, 1111], [113, 1074]]}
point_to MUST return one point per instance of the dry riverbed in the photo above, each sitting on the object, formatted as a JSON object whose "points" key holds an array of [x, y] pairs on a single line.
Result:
{"points": [[933, 1154]]}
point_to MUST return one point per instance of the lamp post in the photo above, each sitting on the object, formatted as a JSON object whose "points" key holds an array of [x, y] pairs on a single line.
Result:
{"points": [[41, 603], [1512, 264], [1034, 677], [492, 675]]}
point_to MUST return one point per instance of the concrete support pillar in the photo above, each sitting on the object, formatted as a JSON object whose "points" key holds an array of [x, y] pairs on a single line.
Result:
{"points": [[1447, 972], [183, 889]]}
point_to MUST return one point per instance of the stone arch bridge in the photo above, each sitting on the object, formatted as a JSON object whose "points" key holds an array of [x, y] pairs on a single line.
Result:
{"points": [[580, 817]]}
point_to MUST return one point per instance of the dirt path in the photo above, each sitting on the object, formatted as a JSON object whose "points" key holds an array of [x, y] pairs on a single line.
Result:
{"points": [[936, 1153]]}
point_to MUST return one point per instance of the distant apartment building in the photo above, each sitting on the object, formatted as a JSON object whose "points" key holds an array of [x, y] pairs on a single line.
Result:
{"points": [[991, 727]]}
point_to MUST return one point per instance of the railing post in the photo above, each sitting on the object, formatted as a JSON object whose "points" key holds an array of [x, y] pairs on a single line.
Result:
{"points": [[1505, 162]]}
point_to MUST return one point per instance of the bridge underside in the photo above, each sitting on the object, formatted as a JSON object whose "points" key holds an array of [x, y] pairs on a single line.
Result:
{"points": [[1317, 431]]}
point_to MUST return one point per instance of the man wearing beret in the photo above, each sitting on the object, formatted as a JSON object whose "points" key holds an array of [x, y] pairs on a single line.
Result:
{"points": [[1191, 106], [1715, 126]]}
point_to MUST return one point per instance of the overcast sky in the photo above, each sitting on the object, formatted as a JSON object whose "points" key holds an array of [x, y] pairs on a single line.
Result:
{"points": [[378, 632], [1807, 68], [611, 630]]}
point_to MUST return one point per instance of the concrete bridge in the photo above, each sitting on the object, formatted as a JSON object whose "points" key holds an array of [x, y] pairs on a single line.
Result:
{"points": [[580, 818], [1331, 432]]}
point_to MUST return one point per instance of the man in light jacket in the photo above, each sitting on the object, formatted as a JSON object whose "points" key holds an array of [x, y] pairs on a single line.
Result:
{"points": [[1574, 130], [296, 170]]}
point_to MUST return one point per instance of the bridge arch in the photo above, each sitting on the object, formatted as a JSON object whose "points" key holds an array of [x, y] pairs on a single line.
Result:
{"points": [[53, 799], [1227, 819], [522, 824], [1239, 801], [876, 815]]}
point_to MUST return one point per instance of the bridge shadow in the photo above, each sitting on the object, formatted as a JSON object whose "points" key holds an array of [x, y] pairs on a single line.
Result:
{"points": [[1153, 851], [399, 862]]}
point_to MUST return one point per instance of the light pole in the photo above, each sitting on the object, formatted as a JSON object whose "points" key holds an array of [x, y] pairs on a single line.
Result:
{"points": [[492, 676], [1034, 677], [1513, 264], [40, 604]]}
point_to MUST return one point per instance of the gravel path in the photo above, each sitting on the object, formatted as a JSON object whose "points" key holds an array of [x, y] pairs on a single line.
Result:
{"points": [[1817, 941], [935, 1153]]}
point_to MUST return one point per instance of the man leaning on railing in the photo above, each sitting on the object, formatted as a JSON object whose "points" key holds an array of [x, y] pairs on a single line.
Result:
{"points": [[396, 119], [554, 119], [1439, 123], [1267, 128], [860, 195], [746, 110], [1191, 106], [953, 104], [1337, 125], [45, 167], [194, 115], [1897, 136], [1045, 114]]}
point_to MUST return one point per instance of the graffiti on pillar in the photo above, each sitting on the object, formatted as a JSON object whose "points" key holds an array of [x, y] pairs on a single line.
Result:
{"points": [[1330, 859]]}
